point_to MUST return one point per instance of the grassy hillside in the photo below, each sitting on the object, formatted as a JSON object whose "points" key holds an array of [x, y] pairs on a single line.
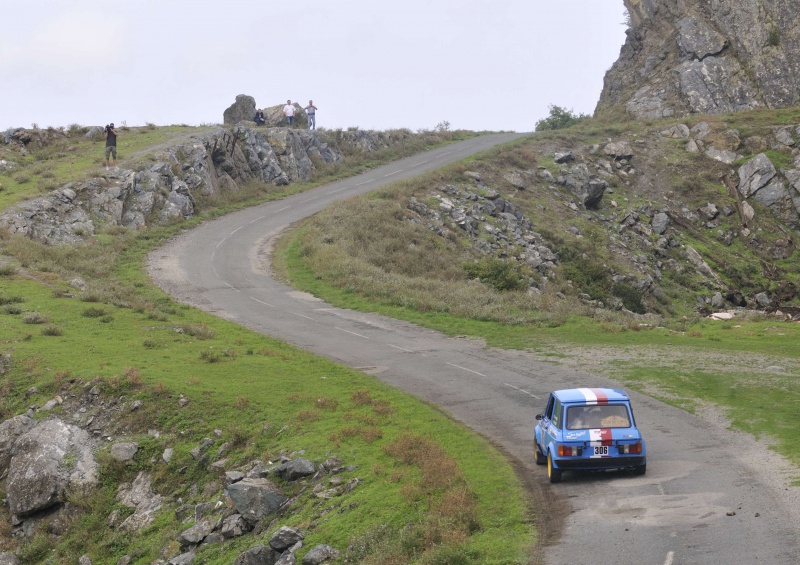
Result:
{"points": [[416, 267], [81, 318]]}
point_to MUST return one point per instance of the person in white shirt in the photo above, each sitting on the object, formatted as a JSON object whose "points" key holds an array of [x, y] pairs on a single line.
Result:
{"points": [[288, 110]]}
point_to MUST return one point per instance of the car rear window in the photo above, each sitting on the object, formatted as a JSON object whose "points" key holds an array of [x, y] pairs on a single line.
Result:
{"points": [[598, 416]]}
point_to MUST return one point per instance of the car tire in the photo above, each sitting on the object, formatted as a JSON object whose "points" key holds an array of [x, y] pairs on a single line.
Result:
{"points": [[640, 470], [540, 459], [552, 473]]}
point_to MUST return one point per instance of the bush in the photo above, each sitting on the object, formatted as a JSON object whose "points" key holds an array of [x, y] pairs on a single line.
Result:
{"points": [[52, 330], [630, 296], [559, 118], [589, 277], [497, 273], [93, 312], [34, 318]]}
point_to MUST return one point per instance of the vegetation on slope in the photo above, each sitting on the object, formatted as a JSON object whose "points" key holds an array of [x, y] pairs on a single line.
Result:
{"points": [[441, 279], [429, 490]]}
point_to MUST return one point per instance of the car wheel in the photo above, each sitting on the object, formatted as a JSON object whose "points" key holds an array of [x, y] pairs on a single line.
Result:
{"points": [[641, 470], [552, 473], [540, 459]]}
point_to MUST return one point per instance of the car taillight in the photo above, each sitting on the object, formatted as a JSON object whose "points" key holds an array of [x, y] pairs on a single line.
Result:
{"points": [[631, 448], [568, 451]]}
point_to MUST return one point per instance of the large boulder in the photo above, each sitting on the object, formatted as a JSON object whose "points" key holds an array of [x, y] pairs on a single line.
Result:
{"points": [[39, 473], [255, 498], [244, 109]]}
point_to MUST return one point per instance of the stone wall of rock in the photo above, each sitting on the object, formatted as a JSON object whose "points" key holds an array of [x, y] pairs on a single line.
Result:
{"points": [[166, 190], [686, 57], [221, 161]]}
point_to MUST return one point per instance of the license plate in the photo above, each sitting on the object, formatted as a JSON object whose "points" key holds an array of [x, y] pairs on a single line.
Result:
{"points": [[601, 450]]}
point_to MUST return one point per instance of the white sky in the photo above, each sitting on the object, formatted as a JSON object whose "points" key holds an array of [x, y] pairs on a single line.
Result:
{"points": [[373, 64]]}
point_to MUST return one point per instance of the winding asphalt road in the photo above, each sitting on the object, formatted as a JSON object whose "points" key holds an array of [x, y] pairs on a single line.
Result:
{"points": [[702, 500]]}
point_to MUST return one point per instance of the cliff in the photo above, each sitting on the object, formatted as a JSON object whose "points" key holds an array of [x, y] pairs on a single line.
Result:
{"points": [[684, 57]]}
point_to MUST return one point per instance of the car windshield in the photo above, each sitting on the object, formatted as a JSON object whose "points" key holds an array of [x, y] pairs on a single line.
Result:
{"points": [[598, 416]]}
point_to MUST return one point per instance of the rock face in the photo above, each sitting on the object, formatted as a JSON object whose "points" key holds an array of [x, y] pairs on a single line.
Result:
{"points": [[201, 165], [219, 162], [686, 57]]}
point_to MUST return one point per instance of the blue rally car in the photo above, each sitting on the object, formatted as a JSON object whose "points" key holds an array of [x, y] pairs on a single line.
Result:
{"points": [[588, 429]]}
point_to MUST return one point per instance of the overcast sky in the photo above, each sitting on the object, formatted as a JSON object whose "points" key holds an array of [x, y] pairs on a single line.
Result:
{"points": [[374, 64]]}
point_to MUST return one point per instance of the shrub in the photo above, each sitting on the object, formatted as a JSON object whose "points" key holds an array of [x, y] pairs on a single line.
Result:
{"points": [[210, 356], [497, 273], [630, 296], [559, 118], [93, 312], [200, 331], [52, 330], [34, 318]]}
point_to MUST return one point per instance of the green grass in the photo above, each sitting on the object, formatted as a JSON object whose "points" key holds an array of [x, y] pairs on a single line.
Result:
{"points": [[268, 393], [759, 402]]}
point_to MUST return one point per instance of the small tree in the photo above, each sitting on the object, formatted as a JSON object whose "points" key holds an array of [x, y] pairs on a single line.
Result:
{"points": [[559, 118]]}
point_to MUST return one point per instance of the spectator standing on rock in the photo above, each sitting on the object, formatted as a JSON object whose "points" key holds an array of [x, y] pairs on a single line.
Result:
{"points": [[311, 112], [260, 118], [111, 143], [288, 110]]}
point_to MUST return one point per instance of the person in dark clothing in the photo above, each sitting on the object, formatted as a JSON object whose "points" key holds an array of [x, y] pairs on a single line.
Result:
{"points": [[260, 118], [111, 143]]}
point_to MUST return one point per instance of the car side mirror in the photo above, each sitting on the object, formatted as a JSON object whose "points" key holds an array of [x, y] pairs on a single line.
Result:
{"points": [[540, 416]]}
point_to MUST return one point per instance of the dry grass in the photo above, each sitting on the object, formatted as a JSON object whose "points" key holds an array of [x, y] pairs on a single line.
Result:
{"points": [[324, 403], [200, 331], [368, 434], [371, 249], [308, 415], [133, 376], [361, 397]]}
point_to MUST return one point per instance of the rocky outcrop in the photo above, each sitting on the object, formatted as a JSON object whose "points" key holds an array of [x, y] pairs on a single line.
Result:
{"points": [[699, 57], [166, 190], [219, 162], [45, 462]]}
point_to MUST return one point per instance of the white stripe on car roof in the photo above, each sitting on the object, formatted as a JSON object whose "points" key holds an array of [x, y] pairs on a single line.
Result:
{"points": [[591, 397]]}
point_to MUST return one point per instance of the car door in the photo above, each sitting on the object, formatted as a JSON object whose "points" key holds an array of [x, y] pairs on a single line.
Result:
{"points": [[544, 424], [552, 435]]}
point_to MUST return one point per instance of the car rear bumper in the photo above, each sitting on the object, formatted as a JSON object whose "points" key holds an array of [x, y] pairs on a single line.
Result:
{"points": [[599, 462]]}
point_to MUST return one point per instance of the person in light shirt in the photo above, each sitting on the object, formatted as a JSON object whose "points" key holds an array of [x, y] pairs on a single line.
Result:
{"points": [[288, 111]]}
